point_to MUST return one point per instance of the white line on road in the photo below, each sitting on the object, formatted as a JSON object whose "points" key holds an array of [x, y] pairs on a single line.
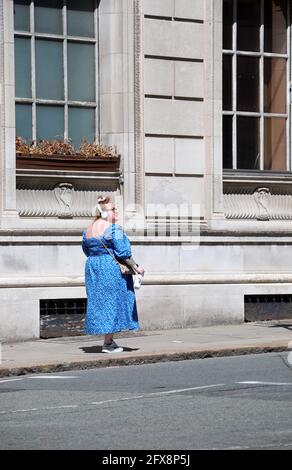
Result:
{"points": [[39, 409], [157, 394], [9, 380], [52, 377], [146, 395], [264, 383]]}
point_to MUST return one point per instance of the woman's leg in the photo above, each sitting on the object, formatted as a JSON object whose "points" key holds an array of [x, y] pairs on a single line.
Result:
{"points": [[108, 339]]}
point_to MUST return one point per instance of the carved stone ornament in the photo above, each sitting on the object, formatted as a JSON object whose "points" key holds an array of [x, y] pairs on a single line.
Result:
{"points": [[64, 194], [262, 197], [261, 204]]}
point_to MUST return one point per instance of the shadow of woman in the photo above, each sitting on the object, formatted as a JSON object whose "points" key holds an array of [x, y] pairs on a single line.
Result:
{"points": [[98, 349]]}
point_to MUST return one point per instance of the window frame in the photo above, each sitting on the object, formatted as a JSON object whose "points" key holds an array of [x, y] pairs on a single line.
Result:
{"points": [[64, 38], [234, 113]]}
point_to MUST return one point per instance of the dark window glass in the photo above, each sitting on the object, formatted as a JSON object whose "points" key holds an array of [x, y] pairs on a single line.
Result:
{"points": [[248, 25], [275, 144], [81, 124], [24, 121], [21, 15], [81, 72], [80, 18], [22, 68], [227, 23], [49, 69], [275, 85], [276, 26], [48, 16], [50, 122], [248, 148], [227, 82], [227, 142], [247, 84]]}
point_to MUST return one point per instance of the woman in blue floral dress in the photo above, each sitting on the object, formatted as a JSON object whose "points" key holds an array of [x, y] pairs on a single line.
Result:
{"points": [[111, 302]]}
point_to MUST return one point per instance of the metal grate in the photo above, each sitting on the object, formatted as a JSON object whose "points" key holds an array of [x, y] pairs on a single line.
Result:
{"points": [[267, 307], [62, 317]]}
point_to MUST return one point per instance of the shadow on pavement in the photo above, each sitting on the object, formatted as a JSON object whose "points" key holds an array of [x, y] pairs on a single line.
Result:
{"points": [[98, 349]]}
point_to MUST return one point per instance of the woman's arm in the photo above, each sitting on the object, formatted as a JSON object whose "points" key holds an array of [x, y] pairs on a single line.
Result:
{"points": [[122, 248]]}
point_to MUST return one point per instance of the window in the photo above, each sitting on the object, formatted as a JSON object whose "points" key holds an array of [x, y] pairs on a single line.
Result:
{"points": [[256, 64], [56, 52]]}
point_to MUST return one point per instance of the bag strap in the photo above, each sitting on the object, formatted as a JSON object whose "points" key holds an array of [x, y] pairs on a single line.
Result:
{"points": [[113, 256], [108, 250]]}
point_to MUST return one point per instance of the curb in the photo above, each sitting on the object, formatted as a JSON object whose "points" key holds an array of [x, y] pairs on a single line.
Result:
{"points": [[140, 360]]}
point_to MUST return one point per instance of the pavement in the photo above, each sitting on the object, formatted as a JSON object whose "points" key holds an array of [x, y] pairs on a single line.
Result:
{"points": [[84, 352]]}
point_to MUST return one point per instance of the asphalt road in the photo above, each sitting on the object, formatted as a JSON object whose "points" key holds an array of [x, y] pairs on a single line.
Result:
{"points": [[220, 403]]}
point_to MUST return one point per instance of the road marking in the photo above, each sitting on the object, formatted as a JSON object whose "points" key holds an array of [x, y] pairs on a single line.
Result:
{"points": [[146, 395], [143, 396], [263, 383], [9, 380], [53, 377], [39, 409], [157, 394], [259, 446]]}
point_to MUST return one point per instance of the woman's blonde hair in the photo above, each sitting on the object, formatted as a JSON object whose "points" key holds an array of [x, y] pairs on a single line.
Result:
{"points": [[102, 202]]}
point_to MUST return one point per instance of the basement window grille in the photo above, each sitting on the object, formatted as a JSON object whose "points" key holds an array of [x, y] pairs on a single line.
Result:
{"points": [[62, 317], [267, 307]]}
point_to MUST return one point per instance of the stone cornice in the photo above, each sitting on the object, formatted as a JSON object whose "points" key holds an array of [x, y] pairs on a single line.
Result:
{"points": [[161, 279]]}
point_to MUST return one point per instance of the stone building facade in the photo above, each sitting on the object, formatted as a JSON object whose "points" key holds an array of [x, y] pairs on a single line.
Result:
{"points": [[195, 95]]}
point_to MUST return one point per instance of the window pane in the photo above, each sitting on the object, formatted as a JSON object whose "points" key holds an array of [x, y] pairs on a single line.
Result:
{"points": [[275, 85], [227, 24], [227, 82], [48, 16], [275, 144], [81, 72], [49, 70], [22, 68], [81, 125], [21, 15], [248, 25], [24, 121], [248, 84], [276, 26], [248, 156], [50, 122], [80, 18], [227, 142]]}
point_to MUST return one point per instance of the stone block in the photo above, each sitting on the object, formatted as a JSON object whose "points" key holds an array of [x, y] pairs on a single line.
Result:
{"points": [[158, 7], [167, 196], [190, 9], [111, 6], [189, 156], [112, 113], [21, 320], [112, 74], [174, 39], [159, 155], [159, 77], [189, 79], [174, 117], [111, 34]]}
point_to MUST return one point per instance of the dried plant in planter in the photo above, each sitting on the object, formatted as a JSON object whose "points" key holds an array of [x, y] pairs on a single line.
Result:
{"points": [[96, 150], [54, 147], [21, 146], [46, 148]]}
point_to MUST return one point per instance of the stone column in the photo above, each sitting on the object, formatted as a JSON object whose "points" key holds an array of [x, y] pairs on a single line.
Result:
{"points": [[120, 125], [7, 116]]}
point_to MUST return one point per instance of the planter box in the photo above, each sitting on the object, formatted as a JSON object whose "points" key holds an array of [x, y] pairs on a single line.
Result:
{"points": [[67, 162]]}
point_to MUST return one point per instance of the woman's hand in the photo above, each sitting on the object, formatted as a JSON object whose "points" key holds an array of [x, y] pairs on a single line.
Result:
{"points": [[140, 270]]}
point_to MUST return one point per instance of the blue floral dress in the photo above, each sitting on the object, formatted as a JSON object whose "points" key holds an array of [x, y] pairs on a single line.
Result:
{"points": [[111, 303]]}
